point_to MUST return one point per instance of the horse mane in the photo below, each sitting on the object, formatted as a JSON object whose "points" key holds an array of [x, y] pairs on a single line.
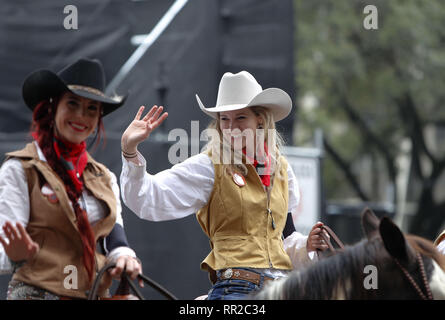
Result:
{"points": [[339, 275]]}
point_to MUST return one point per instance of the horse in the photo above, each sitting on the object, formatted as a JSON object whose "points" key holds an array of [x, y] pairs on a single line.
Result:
{"points": [[402, 266]]}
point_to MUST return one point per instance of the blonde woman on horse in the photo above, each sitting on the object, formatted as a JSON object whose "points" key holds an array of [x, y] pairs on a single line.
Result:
{"points": [[60, 209], [241, 188]]}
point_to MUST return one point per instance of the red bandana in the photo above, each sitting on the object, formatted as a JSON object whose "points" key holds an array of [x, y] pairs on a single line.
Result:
{"points": [[266, 164], [73, 157]]}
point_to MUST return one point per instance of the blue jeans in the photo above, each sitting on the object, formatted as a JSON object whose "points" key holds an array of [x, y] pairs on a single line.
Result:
{"points": [[233, 289]]}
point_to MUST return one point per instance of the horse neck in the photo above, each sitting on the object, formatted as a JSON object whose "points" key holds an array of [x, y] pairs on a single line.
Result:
{"points": [[342, 276], [336, 277]]}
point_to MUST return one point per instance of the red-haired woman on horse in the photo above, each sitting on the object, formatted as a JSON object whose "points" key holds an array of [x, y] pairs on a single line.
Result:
{"points": [[244, 207], [60, 210]]}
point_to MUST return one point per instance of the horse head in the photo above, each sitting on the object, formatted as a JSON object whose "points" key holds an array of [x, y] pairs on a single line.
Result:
{"points": [[407, 266], [415, 257]]}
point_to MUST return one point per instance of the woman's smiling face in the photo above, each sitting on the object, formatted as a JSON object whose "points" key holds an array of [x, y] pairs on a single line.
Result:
{"points": [[238, 124], [76, 117]]}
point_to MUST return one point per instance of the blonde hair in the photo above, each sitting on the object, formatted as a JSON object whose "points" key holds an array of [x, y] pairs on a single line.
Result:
{"points": [[217, 149]]}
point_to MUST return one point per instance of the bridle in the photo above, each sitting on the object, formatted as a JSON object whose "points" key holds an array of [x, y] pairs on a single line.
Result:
{"points": [[422, 295]]}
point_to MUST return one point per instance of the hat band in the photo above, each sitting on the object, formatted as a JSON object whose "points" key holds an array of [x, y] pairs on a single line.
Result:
{"points": [[85, 88]]}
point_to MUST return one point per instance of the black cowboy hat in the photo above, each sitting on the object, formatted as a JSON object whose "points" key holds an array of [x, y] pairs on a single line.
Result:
{"points": [[85, 78]]}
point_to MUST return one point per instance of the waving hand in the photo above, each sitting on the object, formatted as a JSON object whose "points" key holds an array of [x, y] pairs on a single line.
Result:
{"points": [[19, 246], [140, 129]]}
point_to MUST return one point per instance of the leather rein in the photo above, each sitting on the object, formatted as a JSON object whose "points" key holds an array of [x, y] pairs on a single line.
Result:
{"points": [[127, 283]]}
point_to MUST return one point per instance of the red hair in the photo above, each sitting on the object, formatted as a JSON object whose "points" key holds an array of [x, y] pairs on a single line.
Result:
{"points": [[42, 129]]}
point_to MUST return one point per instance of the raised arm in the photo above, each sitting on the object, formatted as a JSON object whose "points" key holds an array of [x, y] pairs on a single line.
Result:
{"points": [[171, 194]]}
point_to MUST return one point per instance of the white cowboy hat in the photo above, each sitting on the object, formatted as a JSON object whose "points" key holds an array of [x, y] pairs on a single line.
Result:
{"points": [[241, 90]]}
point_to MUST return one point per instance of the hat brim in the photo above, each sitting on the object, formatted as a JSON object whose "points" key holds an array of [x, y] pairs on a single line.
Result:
{"points": [[274, 99], [44, 84]]}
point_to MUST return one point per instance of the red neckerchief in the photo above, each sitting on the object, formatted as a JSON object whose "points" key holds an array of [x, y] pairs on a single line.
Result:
{"points": [[265, 179], [73, 157]]}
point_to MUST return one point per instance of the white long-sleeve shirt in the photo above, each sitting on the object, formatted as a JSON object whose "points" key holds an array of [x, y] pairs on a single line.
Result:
{"points": [[14, 205], [184, 189]]}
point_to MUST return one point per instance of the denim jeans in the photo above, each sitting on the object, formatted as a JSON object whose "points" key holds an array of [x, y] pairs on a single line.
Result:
{"points": [[233, 289]]}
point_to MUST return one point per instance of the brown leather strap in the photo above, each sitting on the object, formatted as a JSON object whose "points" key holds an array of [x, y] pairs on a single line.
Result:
{"points": [[334, 237], [327, 239], [241, 274], [127, 284]]}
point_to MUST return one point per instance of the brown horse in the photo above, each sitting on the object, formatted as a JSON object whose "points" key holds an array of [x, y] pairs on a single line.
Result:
{"points": [[385, 265]]}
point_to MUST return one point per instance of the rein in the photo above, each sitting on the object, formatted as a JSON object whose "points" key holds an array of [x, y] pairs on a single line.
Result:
{"points": [[327, 240], [411, 280], [334, 237], [125, 284]]}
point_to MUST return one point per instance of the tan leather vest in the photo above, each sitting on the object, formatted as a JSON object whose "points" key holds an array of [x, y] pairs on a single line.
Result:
{"points": [[52, 224], [239, 225]]}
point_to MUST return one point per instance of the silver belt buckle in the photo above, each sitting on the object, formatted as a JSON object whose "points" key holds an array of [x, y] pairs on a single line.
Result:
{"points": [[227, 273]]}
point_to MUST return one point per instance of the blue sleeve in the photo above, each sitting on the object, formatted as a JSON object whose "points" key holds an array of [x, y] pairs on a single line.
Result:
{"points": [[116, 238]]}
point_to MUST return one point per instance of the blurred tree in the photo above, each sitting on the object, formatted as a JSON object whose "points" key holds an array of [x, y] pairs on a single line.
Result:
{"points": [[375, 93]]}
